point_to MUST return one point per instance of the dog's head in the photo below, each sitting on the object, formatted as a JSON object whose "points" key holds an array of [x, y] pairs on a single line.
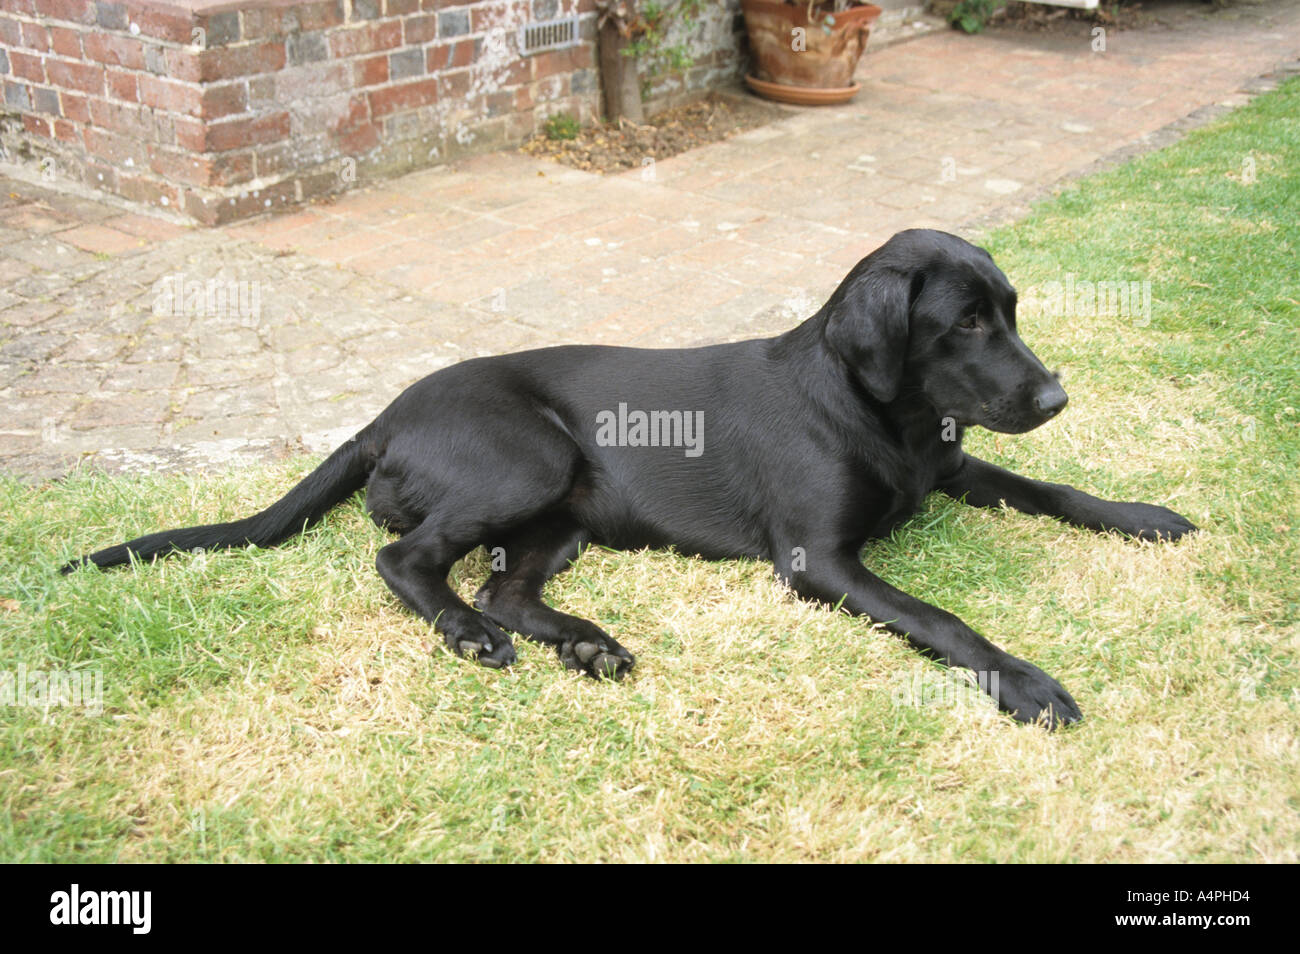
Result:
{"points": [[928, 313]]}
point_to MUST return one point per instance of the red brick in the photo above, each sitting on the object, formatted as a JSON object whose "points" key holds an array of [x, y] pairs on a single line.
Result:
{"points": [[37, 126], [148, 189], [162, 23], [66, 42], [26, 66], [122, 85], [67, 132], [225, 99], [234, 134], [359, 139], [75, 11], [121, 118], [114, 50], [227, 62], [420, 29], [99, 175], [206, 210], [86, 77], [355, 132], [370, 71], [184, 98], [178, 166], [454, 84], [36, 37], [75, 107], [114, 147], [559, 61], [404, 96], [100, 239], [231, 168], [184, 64], [190, 134], [366, 39], [517, 71], [450, 56], [400, 8], [212, 211], [144, 226]]}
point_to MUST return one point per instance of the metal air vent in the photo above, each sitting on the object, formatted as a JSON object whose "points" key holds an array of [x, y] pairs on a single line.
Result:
{"points": [[548, 35]]}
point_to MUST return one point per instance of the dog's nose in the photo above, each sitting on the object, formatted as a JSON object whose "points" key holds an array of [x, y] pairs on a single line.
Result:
{"points": [[1050, 400]]}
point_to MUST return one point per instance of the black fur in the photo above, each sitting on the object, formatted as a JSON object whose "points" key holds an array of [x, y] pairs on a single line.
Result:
{"points": [[812, 442]]}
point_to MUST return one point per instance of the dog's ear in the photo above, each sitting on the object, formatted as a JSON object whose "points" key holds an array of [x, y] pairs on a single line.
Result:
{"points": [[867, 324]]}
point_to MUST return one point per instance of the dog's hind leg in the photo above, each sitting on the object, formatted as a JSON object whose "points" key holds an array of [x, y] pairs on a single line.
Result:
{"points": [[415, 569], [449, 496], [512, 598]]}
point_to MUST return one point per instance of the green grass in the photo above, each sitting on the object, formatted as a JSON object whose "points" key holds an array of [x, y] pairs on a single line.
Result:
{"points": [[562, 126], [280, 705]]}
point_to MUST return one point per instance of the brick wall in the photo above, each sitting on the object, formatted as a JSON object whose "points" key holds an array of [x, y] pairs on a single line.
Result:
{"points": [[221, 109]]}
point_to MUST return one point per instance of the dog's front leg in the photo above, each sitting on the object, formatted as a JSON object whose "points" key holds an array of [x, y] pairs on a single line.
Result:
{"points": [[1022, 689], [982, 484]]}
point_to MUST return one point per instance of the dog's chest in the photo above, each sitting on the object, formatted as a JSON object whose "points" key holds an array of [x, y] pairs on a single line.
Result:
{"points": [[900, 504], [907, 484]]}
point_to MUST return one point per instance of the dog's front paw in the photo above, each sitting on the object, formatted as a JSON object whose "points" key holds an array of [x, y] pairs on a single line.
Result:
{"points": [[598, 656], [1163, 524], [481, 640], [1031, 695], [1149, 522]]}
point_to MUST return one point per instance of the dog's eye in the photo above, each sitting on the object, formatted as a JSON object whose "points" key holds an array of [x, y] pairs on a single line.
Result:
{"points": [[969, 322]]}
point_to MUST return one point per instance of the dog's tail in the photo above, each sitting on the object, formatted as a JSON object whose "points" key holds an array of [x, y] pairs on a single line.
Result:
{"points": [[341, 475]]}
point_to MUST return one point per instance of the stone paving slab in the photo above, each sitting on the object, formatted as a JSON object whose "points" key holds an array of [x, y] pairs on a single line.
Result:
{"points": [[134, 342]]}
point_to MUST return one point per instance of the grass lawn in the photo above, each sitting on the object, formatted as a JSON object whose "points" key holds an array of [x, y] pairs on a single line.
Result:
{"points": [[280, 705]]}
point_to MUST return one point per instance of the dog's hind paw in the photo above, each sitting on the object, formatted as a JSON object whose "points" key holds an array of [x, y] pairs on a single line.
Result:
{"points": [[489, 645], [601, 658]]}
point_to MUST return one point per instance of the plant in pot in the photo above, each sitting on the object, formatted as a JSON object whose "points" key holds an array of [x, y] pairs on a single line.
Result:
{"points": [[805, 51]]}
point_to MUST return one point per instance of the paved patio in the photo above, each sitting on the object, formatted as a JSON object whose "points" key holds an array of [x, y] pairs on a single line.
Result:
{"points": [[290, 332]]}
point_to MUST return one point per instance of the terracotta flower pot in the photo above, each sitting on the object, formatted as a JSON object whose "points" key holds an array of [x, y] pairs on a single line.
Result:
{"points": [[798, 60]]}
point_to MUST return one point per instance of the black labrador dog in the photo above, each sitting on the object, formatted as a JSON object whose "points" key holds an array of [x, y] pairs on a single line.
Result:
{"points": [[794, 449]]}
